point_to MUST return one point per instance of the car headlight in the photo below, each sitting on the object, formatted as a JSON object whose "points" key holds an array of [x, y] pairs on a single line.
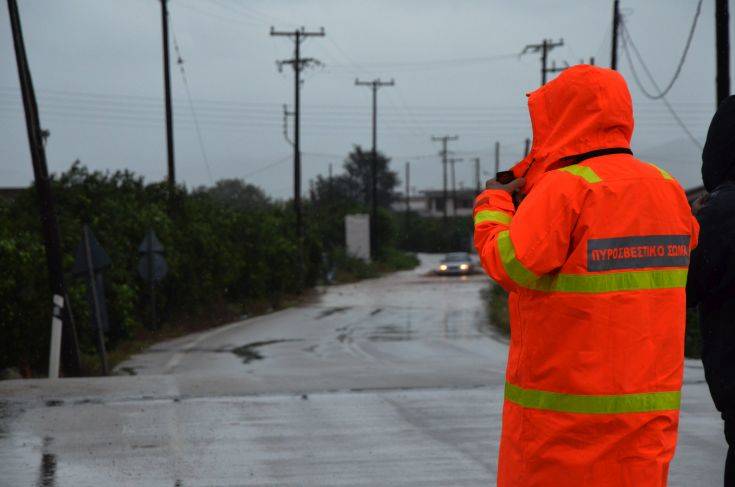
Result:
{"points": [[464, 267], [443, 267]]}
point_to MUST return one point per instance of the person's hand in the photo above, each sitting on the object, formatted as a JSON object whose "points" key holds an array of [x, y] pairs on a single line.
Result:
{"points": [[699, 203], [509, 188]]}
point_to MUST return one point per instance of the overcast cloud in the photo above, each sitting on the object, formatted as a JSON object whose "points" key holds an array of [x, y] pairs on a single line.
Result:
{"points": [[96, 66]]}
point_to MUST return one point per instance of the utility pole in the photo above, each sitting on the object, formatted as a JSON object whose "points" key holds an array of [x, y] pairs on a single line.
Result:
{"points": [[722, 35], [298, 63], [527, 147], [444, 140], [544, 47], [497, 158], [169, 109], [50, 227], [452, 161], [286, 114], [408, 192], [614, 43], [554, 69], [374, 85], [477, 174]]}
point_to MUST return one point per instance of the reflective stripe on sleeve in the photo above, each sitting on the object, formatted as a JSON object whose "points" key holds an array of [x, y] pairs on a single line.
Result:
{"points": [[583, 172], [589, 404], [515, 270], [492, 216], [603, 282]]}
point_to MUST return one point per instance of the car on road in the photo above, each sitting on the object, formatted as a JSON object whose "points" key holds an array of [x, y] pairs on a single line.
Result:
{"points": [[456, 263]]}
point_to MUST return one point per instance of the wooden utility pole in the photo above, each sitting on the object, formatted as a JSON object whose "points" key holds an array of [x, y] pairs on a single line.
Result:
{"points": [[614, 43], [408, 192], [497, 158], [49, 224], [527, 147], [298, 63], [478, 183], [444, 140], [286, 114], [374, 85], [544, 47], [452, 161], [167, 96], [722, 36]]}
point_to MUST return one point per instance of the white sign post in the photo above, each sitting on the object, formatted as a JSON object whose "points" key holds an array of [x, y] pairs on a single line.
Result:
{"points": [[55, 352], [357, 236]]}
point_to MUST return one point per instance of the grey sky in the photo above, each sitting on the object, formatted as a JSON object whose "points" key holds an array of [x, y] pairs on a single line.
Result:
{"points": [[96, 66]]}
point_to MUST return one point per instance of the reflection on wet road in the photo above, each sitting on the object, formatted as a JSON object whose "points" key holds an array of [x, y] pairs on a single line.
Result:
{"points": [[375, 333], [391, 381]]}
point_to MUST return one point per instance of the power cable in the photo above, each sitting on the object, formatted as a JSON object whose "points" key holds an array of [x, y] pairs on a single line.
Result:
{"points": [[677, 71], [221, 18], [180, 62], [267, 166], [627, 40]]}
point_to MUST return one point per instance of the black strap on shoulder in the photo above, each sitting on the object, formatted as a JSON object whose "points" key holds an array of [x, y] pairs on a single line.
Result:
{"points": [[598, 153]]}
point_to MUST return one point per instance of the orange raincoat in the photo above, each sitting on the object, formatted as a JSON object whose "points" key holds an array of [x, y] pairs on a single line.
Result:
{"points": [[595, 259]]}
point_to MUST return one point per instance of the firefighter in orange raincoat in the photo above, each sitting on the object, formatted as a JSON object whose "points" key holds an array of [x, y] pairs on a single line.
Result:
{"points": [[595, 260]]}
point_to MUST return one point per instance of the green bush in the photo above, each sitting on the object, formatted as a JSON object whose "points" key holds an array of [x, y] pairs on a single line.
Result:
{"points": [[426, 234], [227, 245], [396, 260]]}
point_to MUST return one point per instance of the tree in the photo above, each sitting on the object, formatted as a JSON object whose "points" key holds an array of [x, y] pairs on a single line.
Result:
{"points": [[238, 195], [358, 169]]}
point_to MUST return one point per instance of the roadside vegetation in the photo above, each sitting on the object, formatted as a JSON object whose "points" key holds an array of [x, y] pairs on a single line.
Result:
{"points": [[496, 300], [231, 251]]}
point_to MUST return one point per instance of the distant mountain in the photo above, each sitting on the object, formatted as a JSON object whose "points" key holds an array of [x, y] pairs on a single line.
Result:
{"points": [[680, 157]]}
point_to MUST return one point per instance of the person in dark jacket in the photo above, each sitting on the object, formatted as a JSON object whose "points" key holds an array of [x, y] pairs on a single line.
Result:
{"points": [[711, 283]]}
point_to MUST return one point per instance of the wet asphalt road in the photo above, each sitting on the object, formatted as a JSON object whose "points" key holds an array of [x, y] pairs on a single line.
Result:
{"points": [[393, 381]]}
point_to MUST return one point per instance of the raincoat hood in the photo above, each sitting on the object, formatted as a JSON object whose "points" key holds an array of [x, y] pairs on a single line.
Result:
{"points": [[586, 108], [718, 156]]}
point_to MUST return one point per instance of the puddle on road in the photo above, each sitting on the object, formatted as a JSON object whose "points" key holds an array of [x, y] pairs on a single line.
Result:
{"points": [[250, 352], [127, 371], [47, 471], [4, 415], [391, 333], [331, 311]]}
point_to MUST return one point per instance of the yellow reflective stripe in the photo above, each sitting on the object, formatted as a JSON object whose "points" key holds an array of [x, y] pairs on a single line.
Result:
{"points": [[665, 174], [512, 266], [614, 281], [606, 282], [589, 404], [583, 172], [492, 216]]}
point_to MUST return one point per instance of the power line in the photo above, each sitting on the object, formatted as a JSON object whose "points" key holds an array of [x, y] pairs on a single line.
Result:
{"points": [[429, 63], [677, 71], [267, 166], [627, 40], [154, 102], [180, 62]]}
